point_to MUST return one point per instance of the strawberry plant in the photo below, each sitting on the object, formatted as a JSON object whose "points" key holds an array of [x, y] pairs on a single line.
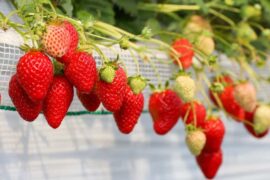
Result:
{"points": [[61, 36]]}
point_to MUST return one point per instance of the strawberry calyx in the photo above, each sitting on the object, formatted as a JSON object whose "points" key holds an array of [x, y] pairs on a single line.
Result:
{"points": [[190, 128], [212, 117], [58, 68], [124, 42], [179, 73], [137, 83], [217, 87], [159, 87], [108, 70]]}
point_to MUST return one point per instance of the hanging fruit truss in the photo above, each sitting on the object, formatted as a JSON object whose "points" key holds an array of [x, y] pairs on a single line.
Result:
{"points": [[173, 67]]}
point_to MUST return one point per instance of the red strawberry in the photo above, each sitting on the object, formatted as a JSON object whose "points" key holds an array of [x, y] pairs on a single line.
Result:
{"points": [[209, 163], [81, 71], [57, 101], [230, 105], [214, 130], [112, 94], [249, 118], [187, 113], [185, 49], [164, 107], [56, 39], [225, 81], [127, 117], [26, 108], [35, 74], [74, 39], [90, 100]]}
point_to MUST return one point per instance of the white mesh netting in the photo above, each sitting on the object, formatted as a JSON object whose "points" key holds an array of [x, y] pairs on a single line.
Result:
{"points": [[10, 54]]}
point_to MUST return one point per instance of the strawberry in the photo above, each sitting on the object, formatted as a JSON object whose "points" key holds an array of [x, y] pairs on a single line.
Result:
{"points": [[184, 86], [185, 49], [81, 71], [164, 107], [214, 130], [248, 124], [261, 119], [90, 100], [227, 99], [230, 105], [57, 101], [26, 108], [195, 141], [188, 110], [74, 40], [56, 40], [218, 85], [209, 163], [35, 74], [111, 93], [245, 96], [127, 116]]}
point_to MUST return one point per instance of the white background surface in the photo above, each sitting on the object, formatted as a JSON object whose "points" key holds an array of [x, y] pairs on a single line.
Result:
{"points": [[90, 147]]}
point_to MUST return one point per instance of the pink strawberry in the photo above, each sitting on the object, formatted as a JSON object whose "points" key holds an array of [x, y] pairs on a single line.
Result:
{"points": [[127, 116], [209, 163], [164, 107], [245, 96], [227, 99], [26, 108], [56, 40], [57, 101], [230, 105], [188, 110], [74, 39], [35, 74], [90, 100], [111, 94], [214, 130], [81, 71]]}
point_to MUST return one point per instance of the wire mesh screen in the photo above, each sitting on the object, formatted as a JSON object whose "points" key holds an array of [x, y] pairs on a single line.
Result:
{"points": [[10, 54]]}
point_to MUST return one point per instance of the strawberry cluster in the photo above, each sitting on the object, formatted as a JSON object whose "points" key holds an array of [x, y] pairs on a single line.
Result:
{"points": [[43, 85], [204, 133], [40, 85], [239, 102]]}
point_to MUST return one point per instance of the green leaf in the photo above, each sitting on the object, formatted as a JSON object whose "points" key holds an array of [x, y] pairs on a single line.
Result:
{"points": [[129, 7], [67, 6], [102, 10]]}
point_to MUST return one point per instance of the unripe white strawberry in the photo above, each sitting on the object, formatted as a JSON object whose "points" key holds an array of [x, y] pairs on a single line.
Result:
{"points": [[262, 119], [56, 40], [195, 141], [206, 44], [245, 95], [184, 86]]}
